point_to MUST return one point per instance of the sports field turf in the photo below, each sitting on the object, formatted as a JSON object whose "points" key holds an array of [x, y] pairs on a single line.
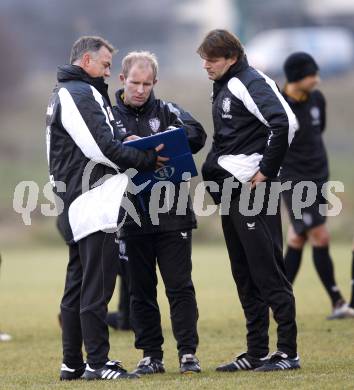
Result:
{"points": [[30, 289]]}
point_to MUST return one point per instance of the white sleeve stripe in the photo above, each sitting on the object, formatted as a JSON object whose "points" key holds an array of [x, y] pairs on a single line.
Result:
{"points": [[75, 125], [238, 89], [293, 124], [174, 109], [99, 100]]}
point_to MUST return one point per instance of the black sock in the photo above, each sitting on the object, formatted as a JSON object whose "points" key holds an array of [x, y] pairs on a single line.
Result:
{"points": [[325, 270], [292, 262], [352, 299]]}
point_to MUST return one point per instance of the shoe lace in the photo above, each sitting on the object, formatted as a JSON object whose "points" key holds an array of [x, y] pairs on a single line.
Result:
{"points": [[145, 361], [189, 358], [277, 356]]}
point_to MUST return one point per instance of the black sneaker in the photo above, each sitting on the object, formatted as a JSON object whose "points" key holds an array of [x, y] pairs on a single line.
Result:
{"points": [[70, 374], [242, 362], [189, 364], [280, 361], [149, 365], [111, 370]]}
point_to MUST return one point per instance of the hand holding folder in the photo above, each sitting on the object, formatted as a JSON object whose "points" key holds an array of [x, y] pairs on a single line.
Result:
{"points": [[160, 161], [176, 147]]}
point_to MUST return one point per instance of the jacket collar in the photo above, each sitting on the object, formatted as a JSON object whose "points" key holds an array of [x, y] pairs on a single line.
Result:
{"points": [[74, 72], [136, 110], [294, 101], [234, 70]]}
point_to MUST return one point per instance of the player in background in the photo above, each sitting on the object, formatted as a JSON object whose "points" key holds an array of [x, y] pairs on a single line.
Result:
{"points": [[306, 160]]}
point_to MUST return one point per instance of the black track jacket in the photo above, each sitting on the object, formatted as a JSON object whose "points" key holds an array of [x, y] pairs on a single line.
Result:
{"points": [[253, 126], [85, 155], [156, 116]]}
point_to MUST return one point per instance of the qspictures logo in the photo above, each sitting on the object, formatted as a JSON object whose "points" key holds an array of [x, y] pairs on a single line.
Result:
{"points": [[264, 198]]}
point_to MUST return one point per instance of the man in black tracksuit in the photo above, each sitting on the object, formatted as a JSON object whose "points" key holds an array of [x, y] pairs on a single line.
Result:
{"points": [[252, 128], [306, 160], [85, 157], [140, 114]]}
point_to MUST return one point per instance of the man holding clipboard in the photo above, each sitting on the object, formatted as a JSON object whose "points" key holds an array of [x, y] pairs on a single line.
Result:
{"points": [[139, 114]]}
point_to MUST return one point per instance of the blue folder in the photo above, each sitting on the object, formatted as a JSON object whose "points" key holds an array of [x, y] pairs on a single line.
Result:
{"points": [[176, 148]]}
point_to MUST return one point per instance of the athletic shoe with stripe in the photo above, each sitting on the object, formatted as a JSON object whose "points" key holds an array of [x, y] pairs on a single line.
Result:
{"points": [[340, 311], [280, 361], [70, 374], [189, 364], [149, 365], [243, 362], [110, 371]]}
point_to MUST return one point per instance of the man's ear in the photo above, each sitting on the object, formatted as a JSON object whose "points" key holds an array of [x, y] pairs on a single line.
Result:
{"points": [[233, 60], [85, 60], [155, 81], [121, 77]]}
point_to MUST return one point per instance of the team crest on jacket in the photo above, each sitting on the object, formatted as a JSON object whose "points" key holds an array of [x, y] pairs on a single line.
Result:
{"points": [[226, 106], [316, 114], [154, 124]]}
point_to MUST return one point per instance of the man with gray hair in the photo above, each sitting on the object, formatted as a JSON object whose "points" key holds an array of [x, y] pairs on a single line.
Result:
{"points": [[167, 242], [86, 157]]}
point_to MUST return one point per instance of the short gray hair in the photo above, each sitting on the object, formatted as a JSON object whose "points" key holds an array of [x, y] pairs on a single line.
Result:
{"points": [[144, 57], [89, 44]]}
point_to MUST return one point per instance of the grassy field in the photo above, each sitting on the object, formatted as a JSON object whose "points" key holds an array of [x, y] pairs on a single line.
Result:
{"points": [[32, 283]]}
